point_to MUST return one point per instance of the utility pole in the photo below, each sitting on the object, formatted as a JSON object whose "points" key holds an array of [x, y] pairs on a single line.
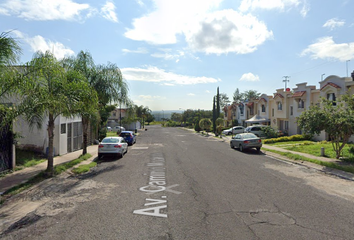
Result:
{"points": [[322, 76], [347, 66], [286, 80]]}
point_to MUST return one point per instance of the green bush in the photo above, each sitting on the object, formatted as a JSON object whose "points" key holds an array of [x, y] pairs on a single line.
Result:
{"points": [[197, 128], [269, 132], [297, 137]]}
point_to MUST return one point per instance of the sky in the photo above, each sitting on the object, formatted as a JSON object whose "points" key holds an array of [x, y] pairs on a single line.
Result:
{"points": [[174, 54]]}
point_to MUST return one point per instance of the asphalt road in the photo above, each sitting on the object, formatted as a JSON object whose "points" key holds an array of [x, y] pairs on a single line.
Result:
{"points": [[202, 189]]}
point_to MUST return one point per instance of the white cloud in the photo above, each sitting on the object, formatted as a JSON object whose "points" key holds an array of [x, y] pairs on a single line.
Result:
{"points": [[44, 9], [156, 75], [38, 43], [282, 5], [326, 48], [207, 91], [151, 98], [247, 5], [108, 11], [249, 77], [139, 50], [191, 94], [228, 31], [333, 23], [169, 19], [168, 55], [204, 30]]}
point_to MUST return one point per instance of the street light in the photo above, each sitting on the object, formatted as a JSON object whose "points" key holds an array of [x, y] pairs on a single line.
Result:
{"points": [[322, 76]]}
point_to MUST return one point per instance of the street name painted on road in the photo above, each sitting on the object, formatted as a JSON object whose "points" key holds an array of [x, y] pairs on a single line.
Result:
{"points": [[156, 184]]}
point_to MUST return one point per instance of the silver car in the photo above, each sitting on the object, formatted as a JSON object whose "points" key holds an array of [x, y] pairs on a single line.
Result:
{"points": [[116, 146], [234, 130], [244, 141]]}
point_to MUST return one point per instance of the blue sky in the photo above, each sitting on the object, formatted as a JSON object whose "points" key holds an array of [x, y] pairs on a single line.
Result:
{"points": [[175, 53]]}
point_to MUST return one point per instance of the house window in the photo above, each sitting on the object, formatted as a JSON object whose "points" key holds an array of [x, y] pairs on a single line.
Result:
{"points": [[272, 112], [263, 108], [291, 110], [286, 125], [332, 97], [114, 114], [280, 106], [251, 110], [301, 103], [63, 128], [241, 109]]}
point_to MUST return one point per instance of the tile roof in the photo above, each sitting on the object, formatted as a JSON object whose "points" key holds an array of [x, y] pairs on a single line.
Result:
{"points": [[263, 99], [330, 84], [278, 95], [299, 93]]}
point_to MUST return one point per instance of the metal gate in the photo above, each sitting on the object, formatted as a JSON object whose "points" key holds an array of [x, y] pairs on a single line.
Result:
{"points": [[77, 136], [69, 137], [6, 142]]}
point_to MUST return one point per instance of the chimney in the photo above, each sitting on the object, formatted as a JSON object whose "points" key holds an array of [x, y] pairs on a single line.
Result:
{"points": [[353, 75]]}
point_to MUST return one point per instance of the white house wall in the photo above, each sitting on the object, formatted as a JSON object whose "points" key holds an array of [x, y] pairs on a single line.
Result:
{"points": [[38, 138]]}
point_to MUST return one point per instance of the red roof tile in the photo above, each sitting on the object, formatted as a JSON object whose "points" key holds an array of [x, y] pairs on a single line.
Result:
{"points": [[278, 95], [330, 84], [299, 93]]}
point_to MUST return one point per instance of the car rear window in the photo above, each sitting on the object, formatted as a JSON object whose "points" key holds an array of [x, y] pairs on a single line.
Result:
{"points": [[125, 135], [110, 140], [250, 135]]}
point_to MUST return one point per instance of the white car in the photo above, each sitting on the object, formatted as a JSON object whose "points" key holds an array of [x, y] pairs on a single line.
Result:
{"points": [[116, 146], [119, 128], [234, 130]]}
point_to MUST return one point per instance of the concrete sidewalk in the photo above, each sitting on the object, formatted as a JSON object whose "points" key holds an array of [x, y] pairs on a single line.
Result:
{"points": [[22, 176]]}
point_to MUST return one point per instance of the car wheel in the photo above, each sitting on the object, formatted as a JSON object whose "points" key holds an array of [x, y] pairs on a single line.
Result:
{"points": [[231, 146], [258, 149], [229, 133], [241, 148], [100, 156]]}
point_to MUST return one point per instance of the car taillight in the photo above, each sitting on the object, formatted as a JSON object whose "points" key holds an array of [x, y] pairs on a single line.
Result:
{"points": [[118, 146], [100, 146], [246, 141], [259, 140]]}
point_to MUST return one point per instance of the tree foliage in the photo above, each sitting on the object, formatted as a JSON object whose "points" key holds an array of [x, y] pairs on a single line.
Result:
{"points": [[47, 94], [205, 124], [336, 120]]}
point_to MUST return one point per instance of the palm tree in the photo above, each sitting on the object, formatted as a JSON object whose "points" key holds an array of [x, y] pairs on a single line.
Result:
{"points": [[48, 94], [9, 83]]}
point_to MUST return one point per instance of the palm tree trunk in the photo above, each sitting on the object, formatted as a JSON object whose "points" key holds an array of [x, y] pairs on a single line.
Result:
{"points": [[85, 125], [50, 129]]}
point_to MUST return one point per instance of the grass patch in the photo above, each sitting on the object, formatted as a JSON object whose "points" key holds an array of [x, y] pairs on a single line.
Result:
{"points": [[25, 158], [314, 148], [322, 163], [65, 166], [84, 168]]}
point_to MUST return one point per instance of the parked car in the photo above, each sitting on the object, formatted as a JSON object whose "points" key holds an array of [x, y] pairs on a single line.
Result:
{"points": [[244, 141], [256, 130], [234, 130], [129, 137], [112, 146], [109, 129], [119, 129]]}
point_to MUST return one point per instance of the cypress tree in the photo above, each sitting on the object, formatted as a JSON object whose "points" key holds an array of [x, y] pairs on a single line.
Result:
{"points": [[217, 104], [214, 115]]}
